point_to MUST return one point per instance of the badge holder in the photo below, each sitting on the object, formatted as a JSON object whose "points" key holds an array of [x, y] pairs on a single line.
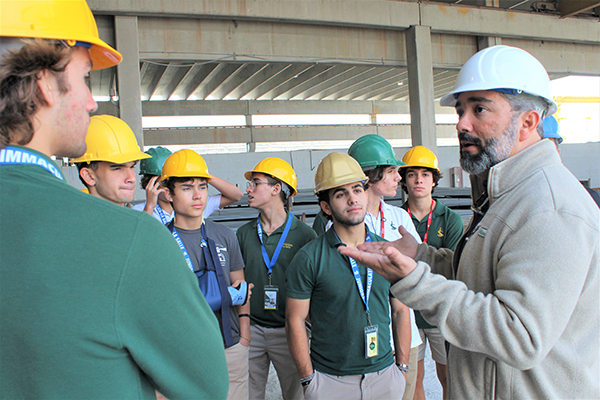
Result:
{"points": [[271, 297], [371, 341]]}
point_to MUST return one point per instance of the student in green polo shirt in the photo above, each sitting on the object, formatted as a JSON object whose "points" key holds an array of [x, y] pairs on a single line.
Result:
{"points": [[348, 305], [268, 245], [437, 226]]}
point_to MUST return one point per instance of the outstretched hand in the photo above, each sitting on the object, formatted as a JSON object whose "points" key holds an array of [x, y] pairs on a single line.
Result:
{"points": [[407, 244], [383, 258]]}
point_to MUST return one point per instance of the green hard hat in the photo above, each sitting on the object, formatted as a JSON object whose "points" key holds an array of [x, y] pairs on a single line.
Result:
{"points": [[373, 151], [153, 166]]}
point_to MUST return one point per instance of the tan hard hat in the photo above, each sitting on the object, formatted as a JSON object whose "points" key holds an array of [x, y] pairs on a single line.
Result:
{"points": [[338, 169]]}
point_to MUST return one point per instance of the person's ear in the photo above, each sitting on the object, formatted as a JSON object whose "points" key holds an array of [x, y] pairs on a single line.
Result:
{"points": [[88, 176], [529, 123], [168, 195], [276, 189], [325, 207], [48, 86]]}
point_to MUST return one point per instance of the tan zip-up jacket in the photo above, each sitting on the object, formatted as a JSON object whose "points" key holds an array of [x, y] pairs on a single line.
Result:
{"points": [[522, 311]]}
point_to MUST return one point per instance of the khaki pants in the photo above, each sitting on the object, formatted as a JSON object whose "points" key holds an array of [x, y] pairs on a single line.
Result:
{"points": [[411, 377], [386, 384], [270, 345], [436, 342], [237, 365]]}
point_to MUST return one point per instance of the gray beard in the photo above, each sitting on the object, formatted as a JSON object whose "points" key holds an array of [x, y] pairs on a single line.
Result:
{"points": [[495, 150]]}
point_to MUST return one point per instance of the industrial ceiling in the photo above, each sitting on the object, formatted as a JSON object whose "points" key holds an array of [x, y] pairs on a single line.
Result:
{"points": [[169, 79]]}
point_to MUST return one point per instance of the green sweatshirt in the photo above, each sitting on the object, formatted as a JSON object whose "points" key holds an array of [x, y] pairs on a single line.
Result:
{"points": [[96, 300]]}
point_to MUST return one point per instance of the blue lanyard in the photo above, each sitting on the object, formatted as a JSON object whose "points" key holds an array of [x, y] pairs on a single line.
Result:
{"points": [[183, 249], [271, 263], [14, 156], [356, 273], [163, 217]]}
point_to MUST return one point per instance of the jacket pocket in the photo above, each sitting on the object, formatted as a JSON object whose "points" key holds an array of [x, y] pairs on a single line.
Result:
{"points": [[489, 379]]}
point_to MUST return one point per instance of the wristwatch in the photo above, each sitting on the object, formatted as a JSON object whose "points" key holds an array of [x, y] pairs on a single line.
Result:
{"points": [[306, 380], [403, 367]]}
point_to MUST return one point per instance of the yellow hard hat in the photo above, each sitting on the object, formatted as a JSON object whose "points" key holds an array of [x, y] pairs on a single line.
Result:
{"points": [[185, 163], [337, 169], [277, 168], [71, 21], [420, 156], [110, 139]]}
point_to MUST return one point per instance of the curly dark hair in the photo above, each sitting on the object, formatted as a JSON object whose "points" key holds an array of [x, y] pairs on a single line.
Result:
{"points": [[375, 174], [20, 96]]}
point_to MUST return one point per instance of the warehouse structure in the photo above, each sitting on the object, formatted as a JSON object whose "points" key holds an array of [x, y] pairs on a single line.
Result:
{"points": [[369, 66]]}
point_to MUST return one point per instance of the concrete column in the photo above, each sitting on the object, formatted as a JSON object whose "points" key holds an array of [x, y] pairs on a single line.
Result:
{"points": [[251, 145], [489, 41], [128, 82], [420, 86], [128, 75]]}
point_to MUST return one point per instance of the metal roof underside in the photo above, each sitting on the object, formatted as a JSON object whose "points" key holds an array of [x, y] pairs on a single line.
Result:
{"points": [[183, 80], [228, 80]]}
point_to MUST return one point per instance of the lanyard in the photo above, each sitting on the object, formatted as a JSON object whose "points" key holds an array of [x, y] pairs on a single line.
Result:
{"points": [[163, 216], [15, 156], [183, 249], [212, 263], [382, 220], [428, 219], [364, 296], [271, 263]]}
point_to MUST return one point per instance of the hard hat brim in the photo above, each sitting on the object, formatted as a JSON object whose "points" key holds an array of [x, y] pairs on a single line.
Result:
{"points": [[117, 159], [449, 100], [343, 182], [191, 174], [248, 176]]}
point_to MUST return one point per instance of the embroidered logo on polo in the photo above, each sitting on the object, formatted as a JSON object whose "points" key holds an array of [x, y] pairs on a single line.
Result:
{"points": [[440, 233]]}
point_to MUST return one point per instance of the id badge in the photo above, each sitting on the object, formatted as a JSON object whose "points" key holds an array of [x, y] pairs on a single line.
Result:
{"points": [[371, 341], [271, 293]]}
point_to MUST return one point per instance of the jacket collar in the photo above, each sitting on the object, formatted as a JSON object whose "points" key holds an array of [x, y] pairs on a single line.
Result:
{"points": [[513, 171]]}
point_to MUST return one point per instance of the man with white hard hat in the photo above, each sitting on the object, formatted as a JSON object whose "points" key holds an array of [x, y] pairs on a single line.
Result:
{"points": [[96, 300], [518, 298]]}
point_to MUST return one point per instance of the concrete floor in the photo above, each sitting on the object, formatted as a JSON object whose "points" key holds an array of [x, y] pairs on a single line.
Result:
{"points": [[433, 389]]}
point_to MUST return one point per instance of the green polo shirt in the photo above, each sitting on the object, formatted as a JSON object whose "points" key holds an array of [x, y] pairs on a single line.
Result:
{"points": [[96, 300], [256, 270], [320, 223], [337, 312], [445, 231]]}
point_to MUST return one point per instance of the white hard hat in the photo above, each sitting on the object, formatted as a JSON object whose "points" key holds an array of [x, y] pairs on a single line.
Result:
{"points": [[503, 67]]}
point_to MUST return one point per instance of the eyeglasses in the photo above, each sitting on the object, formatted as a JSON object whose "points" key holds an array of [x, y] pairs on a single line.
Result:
{"points": [[253, 184]]}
